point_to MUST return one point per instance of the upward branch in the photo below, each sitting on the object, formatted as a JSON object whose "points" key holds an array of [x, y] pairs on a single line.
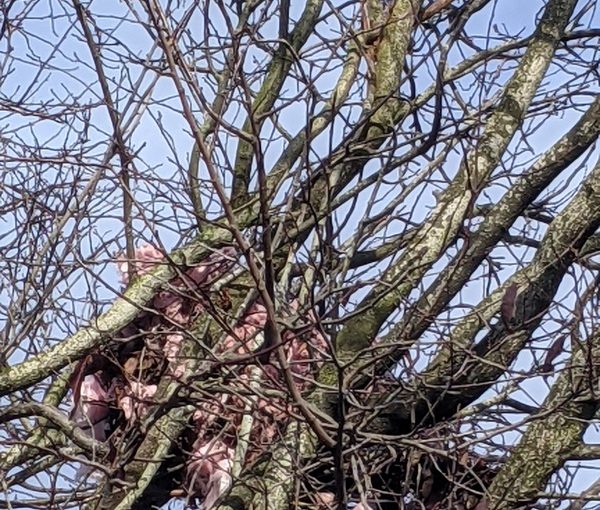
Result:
{"points": [[454, 205]]}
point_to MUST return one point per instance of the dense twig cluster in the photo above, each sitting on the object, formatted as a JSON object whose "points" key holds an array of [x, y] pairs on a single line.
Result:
{"points": [[114, 390], [366, 273]]}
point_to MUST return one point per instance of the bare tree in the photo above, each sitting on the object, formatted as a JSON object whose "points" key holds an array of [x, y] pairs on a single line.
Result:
{"points": [[320, 254]]}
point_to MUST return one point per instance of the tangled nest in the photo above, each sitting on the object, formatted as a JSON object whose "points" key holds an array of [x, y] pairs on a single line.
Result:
{"points": [[439, 473]]}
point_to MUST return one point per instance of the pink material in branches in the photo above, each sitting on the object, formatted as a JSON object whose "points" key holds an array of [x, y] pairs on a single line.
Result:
{"points": [[136, 400], [94, 401], [209, 470], [146, 258], [150, 348]]}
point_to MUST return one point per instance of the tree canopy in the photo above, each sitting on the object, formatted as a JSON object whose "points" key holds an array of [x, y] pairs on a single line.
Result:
{"points": [[274, 254]]}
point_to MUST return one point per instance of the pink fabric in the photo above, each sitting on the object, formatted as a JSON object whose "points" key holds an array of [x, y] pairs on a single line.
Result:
{"points": [[136, 400], [325, 500], [146, 258], [218, 418], [268, 414], [240, 339], [94, 407], [209, 470], [171, 350]]}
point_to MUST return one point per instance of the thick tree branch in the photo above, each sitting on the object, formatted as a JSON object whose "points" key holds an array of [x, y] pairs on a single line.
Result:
{"points": [[124, 310], [462, 370], [554, 435], [443, 225], [268, 95]]}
